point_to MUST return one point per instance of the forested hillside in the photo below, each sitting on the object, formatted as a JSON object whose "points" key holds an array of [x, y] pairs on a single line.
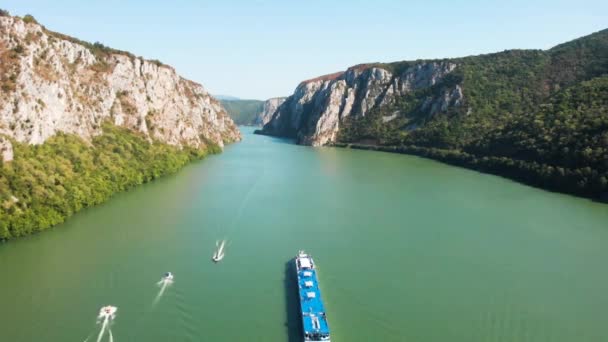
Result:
{"points": [[537, 116], [243, 112], [45, 184], [544, 115]]}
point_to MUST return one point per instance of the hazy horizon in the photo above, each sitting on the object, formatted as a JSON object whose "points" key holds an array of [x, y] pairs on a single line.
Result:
{"points": [[263, 49]]}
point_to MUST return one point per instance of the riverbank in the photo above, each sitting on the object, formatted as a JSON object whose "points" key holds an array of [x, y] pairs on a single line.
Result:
{"points": [[436, 229], [547, 177], [44, 185]]}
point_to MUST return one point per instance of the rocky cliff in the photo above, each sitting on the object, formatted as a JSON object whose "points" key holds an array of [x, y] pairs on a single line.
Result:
{"points": [[270, 106], [80, 122], [54, 83], [314, 113]]}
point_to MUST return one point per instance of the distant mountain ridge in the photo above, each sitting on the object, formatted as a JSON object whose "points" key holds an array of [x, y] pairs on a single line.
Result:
{"points": [[243, 112], [536, 116], [252, 112], [226, 97]]}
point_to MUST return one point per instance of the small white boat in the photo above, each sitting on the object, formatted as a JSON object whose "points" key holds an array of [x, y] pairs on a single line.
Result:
{"points": [[107, 311], [218, 255], [168, 276]]}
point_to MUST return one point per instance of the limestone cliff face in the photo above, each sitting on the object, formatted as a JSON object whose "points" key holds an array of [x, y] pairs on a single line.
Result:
{"points": [[314, 113], [270, 106], [53, 83]]}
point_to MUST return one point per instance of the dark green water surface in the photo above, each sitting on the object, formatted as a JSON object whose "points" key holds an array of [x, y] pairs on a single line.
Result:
{"points": [[408, 250]]}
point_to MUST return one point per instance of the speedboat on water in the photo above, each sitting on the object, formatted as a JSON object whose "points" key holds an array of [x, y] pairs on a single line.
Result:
{"points": [[218, 255], [108, 311], [168, 276], [217, 258]]}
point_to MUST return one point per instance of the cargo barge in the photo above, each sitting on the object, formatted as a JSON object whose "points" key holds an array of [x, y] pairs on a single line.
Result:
{"points": [[314, 319]]}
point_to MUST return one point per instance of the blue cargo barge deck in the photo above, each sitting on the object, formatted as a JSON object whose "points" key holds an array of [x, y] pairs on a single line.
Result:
{"points": [[314, 319]]}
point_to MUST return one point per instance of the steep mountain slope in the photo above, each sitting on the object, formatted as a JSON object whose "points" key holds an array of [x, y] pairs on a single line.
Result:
{"points": [[252, 112], [52, 83], [226, 97], [536, 116], [270, 106], [80, 121], [243, 112]]}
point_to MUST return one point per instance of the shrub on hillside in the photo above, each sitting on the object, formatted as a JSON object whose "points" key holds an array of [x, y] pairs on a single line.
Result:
{"points": [[29, 19]]}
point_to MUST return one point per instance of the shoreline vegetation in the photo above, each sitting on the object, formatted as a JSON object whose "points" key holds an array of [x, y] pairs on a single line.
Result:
{"points": [[46, 184], [559, 145], [543, 176]]}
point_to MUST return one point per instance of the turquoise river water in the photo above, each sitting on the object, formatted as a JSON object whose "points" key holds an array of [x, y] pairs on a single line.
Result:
{"points": [[408, 249]]}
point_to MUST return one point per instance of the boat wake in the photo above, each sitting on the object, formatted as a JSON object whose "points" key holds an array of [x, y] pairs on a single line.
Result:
{"points": [[219, 253], [105, 318], [165, 282]]}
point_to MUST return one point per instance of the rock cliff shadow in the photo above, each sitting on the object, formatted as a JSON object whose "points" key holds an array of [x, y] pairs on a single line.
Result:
{"points": [[280, 140], [275, 138], [292, 305]]}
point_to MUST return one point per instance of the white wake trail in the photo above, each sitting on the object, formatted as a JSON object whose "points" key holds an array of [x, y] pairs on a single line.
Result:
{"points": [[163, 286], [111, 337], [228, 231], [103, 329]]}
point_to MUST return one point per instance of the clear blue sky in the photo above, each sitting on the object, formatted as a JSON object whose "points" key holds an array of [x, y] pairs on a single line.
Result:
{"points": [[262, 49]]}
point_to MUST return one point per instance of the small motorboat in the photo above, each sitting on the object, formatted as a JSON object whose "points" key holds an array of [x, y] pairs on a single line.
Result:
{"points": [[218, 255], [168, 276], [108, 311]]}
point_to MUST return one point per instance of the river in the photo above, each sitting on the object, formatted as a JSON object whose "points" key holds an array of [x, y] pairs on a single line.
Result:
{"points": [[408, 249]]}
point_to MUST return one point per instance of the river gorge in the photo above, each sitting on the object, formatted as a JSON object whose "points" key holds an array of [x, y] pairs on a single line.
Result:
{"points": [[408, 249]]}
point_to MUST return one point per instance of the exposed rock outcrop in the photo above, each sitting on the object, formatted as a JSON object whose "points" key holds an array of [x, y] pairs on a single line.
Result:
{"points": [[53, 83], [6, 150], [314, 113], [270, 106]]}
